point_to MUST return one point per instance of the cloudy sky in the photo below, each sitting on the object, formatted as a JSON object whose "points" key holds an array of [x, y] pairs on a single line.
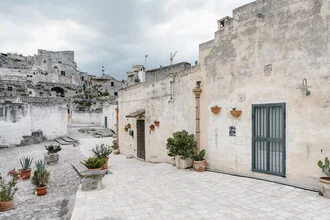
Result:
{"points": [[116, 33]]}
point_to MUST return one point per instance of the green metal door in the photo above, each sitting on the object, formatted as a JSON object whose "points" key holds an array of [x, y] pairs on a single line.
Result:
{"points": [[268, 138]]}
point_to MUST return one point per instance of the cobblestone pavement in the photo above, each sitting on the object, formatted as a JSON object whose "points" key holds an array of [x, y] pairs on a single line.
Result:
{"points": [[63, 183], [140, 190]]}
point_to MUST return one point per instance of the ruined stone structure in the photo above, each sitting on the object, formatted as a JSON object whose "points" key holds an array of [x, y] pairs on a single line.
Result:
{"points": [[270, 63], [50, 83]]}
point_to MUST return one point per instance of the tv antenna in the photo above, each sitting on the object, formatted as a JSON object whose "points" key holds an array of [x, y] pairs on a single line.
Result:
{"points": [[103, 70], [172, 57]]}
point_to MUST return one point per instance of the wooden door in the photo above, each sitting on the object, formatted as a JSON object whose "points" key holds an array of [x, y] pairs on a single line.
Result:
{"points": [[140, 136]]}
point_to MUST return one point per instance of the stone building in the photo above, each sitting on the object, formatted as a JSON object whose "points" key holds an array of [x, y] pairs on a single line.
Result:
{"points": [[106, 85], [270, 61]]}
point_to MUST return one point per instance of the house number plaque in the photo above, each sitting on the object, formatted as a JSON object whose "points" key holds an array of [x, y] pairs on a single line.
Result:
{"points": [[232, 131]]}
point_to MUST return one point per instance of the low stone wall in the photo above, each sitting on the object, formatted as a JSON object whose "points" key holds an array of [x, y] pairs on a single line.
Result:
{"points": [[21, 119]]}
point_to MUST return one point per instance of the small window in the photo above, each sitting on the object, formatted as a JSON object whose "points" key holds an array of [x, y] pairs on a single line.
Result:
{"points": [[62, 73], [55, 67], [44, 61], [10, 88], [59, 62], [112, 83], [115, 93], [1, 112], [82, 78], [30, 92]]}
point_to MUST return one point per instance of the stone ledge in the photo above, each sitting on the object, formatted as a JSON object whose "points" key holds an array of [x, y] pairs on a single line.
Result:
{"points": [[91, 179]]}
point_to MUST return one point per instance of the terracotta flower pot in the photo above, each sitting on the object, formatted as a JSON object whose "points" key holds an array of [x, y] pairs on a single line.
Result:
{"points": [[105, 166], [236, 113], [216, 109], [325, 186], [25, 174], [6, 205], [128, 125], [126, 129], [41, 190], [152, 127], [200, 165], [157, 123]]}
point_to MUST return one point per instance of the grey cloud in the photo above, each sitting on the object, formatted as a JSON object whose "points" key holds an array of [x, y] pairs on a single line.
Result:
{"points": [[115, 33]]}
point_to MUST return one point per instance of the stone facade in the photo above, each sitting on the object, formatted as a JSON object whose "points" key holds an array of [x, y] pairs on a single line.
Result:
{"points": [[268, 52]]}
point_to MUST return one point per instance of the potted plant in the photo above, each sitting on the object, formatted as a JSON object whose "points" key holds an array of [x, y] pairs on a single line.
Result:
{"points": [[41, 166], [8, 190], [26, 170], [185, 146], [216, 109], [52, 156], [102, 151], [157, 123], [94, 163], [126, 128], [325, 181], [172, 151], [199, 161], [152, 127], [115, 147], [41, 183], [235, 113]]}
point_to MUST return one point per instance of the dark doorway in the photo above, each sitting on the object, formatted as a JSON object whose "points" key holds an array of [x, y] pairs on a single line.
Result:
{"points": [[59, 91], [140, 128]]}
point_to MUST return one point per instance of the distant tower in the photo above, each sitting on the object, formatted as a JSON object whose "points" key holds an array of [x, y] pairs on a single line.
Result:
{"points": [[103, 70]]}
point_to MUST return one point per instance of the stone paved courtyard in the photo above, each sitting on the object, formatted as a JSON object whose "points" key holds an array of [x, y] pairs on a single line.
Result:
{"points": [[140, 190], [63, 183]]}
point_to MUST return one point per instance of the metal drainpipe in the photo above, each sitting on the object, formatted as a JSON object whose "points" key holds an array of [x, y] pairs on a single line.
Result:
{"points": [[197, 91], [117, 129]]}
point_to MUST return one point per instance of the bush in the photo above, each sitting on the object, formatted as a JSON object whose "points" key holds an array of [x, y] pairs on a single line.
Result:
{"points": [[94, 162], [52, 149], [182, 144], [102, 151]]}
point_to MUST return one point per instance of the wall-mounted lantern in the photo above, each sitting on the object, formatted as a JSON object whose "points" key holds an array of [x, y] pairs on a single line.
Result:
{"points": [[304, 87]]}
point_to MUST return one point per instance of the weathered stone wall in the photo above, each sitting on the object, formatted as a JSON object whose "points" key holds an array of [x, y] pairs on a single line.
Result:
{"points": [[109, 111], [18, 119], [154, 97], [86, 117], [261, 55]]}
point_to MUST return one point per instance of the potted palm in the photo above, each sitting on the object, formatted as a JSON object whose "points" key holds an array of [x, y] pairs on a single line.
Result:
{"points": [[8, 190], [325, 181], [26, 170], [94, 163], [52, 155], [185, 146], [102, 151], [199, 161]]}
